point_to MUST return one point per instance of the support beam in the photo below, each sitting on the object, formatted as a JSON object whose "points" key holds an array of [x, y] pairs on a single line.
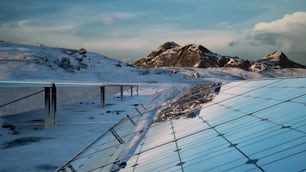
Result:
{"points": [[116, 135], [131, 120], [138, 111]]}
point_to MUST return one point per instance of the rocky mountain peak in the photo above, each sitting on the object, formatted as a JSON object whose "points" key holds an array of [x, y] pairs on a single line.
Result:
{"points": [[278, 59], [170, 54], [173, 54], [277, 55]]}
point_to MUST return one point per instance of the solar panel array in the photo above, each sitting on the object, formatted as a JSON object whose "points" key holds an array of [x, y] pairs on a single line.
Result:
{"points": [[249, 126]]}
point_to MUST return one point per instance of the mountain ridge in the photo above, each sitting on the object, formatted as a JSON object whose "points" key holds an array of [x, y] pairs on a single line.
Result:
{"points": [[171, 54]]}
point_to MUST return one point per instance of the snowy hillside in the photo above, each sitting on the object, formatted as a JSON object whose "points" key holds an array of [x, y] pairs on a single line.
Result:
{"points": [[28, 146], [25, 62]]}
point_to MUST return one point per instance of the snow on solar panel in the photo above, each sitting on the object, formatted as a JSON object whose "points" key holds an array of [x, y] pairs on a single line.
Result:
{"points": [[249, 126]]}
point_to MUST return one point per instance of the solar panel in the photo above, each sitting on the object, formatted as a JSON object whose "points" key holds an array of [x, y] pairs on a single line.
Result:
{"points": [[250, 126]]}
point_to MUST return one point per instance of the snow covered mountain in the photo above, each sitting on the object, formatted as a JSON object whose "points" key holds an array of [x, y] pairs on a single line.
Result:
{"points": [[193, 55], [190, 63], [41, 63]]}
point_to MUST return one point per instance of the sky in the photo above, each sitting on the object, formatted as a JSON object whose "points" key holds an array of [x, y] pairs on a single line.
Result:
{"points": [[128, 30]]}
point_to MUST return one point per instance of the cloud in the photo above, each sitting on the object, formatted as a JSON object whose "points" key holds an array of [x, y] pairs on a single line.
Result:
{"points": [[225, 25], [287, 24], [287, 34], [111, 18]]}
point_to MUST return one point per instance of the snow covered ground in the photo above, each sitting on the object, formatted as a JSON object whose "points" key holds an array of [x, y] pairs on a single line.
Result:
{"points": [[27, 146]]}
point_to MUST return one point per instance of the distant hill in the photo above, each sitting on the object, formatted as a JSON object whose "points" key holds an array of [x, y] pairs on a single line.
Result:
{"points": [[170, 54]]}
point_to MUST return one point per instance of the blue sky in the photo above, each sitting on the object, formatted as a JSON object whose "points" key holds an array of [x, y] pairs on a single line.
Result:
{"points": [[128, 30]]}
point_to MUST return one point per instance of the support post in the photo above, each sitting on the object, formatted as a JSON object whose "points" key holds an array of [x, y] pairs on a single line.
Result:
{"points": [[102, 91], [131, 91], [47, 106], [121, 92], [137, 90], [53, 104]]}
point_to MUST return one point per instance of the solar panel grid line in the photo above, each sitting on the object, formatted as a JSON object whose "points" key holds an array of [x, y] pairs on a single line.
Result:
{"points": [[282, 158], [95, 152], [225, 164], [207, 154], [137, 157], [168, 142], [246, 125], [181, 127], [233, 95], [302, 126], [251, 134], [229, 120], [180, 163], [235, 134], [106, 158], [264, 108], [236, 168], [269, 120], [281, 125], [238, 139], [160, 158], [276, 145], [194, 143], [255, 97], [246, 84], [232, 144], [259, 138], [204, 160], [152, 157], [282, 150], [292, 117], [155, 141]]}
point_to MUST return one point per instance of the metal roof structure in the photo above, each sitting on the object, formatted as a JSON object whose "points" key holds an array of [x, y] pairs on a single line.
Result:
{"points": [[24, 96]]}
